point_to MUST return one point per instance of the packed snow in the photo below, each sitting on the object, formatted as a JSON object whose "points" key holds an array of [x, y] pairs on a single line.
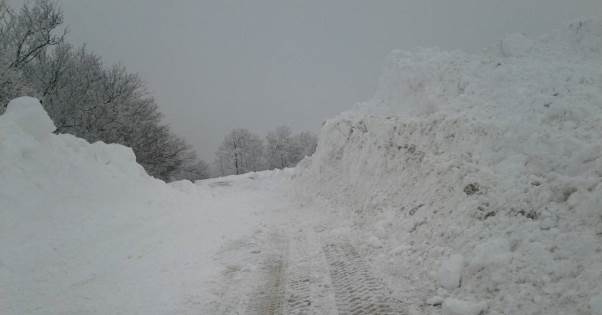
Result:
{"points": [[469, 184]]}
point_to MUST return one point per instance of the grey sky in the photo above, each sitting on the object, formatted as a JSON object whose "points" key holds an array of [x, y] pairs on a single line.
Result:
{"points": [[218, 65]]}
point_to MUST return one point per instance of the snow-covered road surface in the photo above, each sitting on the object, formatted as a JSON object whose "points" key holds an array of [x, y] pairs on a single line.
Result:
{"points": [[294, 263], [84, 230], [236, 245]]}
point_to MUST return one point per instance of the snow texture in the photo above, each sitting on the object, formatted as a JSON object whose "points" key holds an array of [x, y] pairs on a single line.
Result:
{"points": [[28, 114], [84, 229], [466, 178], [494, 156], [450, 273], [459, 307]]}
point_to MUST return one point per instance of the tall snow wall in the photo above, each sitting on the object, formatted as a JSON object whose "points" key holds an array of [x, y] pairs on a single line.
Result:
{"points": [[493, 156]]}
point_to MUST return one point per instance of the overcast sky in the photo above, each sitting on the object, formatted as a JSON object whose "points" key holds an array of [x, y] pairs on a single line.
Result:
{"points": [[218, 65]]}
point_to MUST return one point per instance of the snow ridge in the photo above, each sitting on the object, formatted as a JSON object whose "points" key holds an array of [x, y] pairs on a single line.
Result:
{"points": [[495, 157]]}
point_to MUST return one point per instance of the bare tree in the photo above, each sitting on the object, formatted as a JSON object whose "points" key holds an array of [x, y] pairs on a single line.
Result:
{"points": [[12, 83], [27, 34], [24, 35], [286, 150], [279, 147], [303, 144], [240, 152]]}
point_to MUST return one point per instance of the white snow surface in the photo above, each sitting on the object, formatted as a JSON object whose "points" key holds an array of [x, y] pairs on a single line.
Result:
{"points": [[459, 307], [470, 184], [27, 114], [450, 272], [496, 157], [84, 230]]}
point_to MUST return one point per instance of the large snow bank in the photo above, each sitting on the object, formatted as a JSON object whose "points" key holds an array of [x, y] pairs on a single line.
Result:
{"points": [[495, 157], [84, 230]]}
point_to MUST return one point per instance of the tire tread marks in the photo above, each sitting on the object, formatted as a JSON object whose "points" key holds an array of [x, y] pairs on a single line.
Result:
{"points": [[298, 288], [269, 295], [357, 291]]}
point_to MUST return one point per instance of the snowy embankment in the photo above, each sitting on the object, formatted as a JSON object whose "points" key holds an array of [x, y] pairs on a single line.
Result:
{"points": [[475, 180], [84, 230]]}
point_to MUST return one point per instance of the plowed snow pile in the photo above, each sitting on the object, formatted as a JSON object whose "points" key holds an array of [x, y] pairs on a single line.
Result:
{"points": [[84, 230], [475, 180]]}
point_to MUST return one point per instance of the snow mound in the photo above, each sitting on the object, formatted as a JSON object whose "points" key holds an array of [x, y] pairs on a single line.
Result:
{"points": [[84, 229], [35, 161], [28, 114], [496, 157], [63, 201]]}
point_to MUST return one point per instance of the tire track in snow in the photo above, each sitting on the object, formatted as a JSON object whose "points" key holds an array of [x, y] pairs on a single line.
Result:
{"points": [[268, 297], [299, 274], [357, 291], [308, 287], [303, 282], [298, 291]]}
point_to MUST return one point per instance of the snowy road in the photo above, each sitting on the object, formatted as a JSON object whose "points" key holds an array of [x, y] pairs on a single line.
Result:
{"points": [[233, 245], [468, 183], [295, 265]]}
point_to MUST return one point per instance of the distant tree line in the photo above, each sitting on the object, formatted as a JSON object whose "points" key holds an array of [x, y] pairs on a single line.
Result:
{"points": [[243, 151], [83, 96]]}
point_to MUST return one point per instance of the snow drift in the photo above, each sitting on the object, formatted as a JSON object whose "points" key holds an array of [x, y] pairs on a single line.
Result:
{"points": [[84, 229], [491, 161]]}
